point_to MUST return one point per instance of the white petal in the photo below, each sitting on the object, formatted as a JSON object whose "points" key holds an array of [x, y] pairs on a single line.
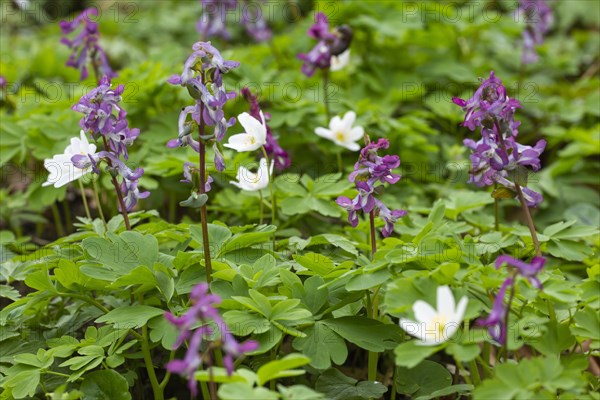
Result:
{"points": [[253, 126], [340, 61], [349, 145], [445, 301], [411, 327], [356, 133], [242, 142], [423, 312], [461, 308], [348, 120], [325, 133], [335, 123]]}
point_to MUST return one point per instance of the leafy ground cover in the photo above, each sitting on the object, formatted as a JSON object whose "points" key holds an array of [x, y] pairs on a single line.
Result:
{"points": [[328, 200]]}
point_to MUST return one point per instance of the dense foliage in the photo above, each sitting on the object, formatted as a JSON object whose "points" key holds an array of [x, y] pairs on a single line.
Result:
{"points": [[302, 258]]}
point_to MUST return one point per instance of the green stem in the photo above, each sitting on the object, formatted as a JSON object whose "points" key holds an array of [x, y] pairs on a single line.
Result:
{"points": [[167, 376], [339, 162], [373, 356], [460, 367], [262, 208], [393, 394], [60, 230], [99, 203], [85, 203], [68, 218], [474, 369], [530, 224], [270, 189], [145, 344], [201, 190], [496, 211], [325, 94], [510, 299]]}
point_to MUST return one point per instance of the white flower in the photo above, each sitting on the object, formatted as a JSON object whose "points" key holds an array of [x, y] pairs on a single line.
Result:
{"points": [[341, 131], [61, 168], [250, 181], [255, 136], [340, 61], [436, 326]]}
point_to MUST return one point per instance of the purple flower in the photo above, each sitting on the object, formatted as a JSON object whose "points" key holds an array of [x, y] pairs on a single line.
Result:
{"points": [[214, 16], [330, 43], [254, 22], [496, 320], [203, 311], [538, 17], [370, 169], [526, 270], [85, 45], [489, 102], [272, 147], [498, 153], [104, 117], [202, 77], [233, 349]]}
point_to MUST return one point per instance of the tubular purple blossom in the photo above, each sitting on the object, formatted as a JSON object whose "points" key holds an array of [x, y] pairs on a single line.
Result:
{"points": [[85, 45], [538, 17], [202, 312], [526, 270], [498, 153], [370, 169], [496, 320]]}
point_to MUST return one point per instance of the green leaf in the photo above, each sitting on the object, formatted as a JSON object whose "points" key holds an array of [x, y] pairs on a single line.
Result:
{"points": [[317, 263], [569, 250], [442, 393], [322, 345], [366, 333], [337, 386], [243, 323], [410, 354], [299, 392], [105, 385], [240, 390], [24, 383], [282, 368], [130, 317], [557, 338], [423, 379], [195, 200], [246, 239]]}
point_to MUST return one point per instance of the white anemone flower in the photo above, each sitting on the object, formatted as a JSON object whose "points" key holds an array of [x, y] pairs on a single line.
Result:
{"points": [[340, 61], [436, 326], [61, 168], [341, 131], [253, 181], [255, 136]]}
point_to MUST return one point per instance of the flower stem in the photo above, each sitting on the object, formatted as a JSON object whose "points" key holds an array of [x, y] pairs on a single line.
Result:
{"points": [[496, 212], [474, 369], [510, 299], [203, 210], [339, 162], [262, 208], [264, 151], [530, 224], [98, 203], [84, 199], [325, 94], [60, 230], [145, 344], [118, 190], [372, 235]]}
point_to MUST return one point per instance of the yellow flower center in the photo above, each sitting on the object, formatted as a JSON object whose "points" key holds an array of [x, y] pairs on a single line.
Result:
{"points": [[340, 136], [439, 322]]}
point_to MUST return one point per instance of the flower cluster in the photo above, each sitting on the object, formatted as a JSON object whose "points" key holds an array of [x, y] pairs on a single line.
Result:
{"points": [[496, 322], [333, 46], [272, 147], [104, 118], [538, 16], [214, 18], [203, 312], [370, 169], [85, 45], [497, 155], [202, 76]]}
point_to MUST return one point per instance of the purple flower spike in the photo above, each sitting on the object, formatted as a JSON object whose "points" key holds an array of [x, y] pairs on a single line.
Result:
{"points": [[84, 46], [538, 17], [368, 171], [202, 312], [498, 153]]}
